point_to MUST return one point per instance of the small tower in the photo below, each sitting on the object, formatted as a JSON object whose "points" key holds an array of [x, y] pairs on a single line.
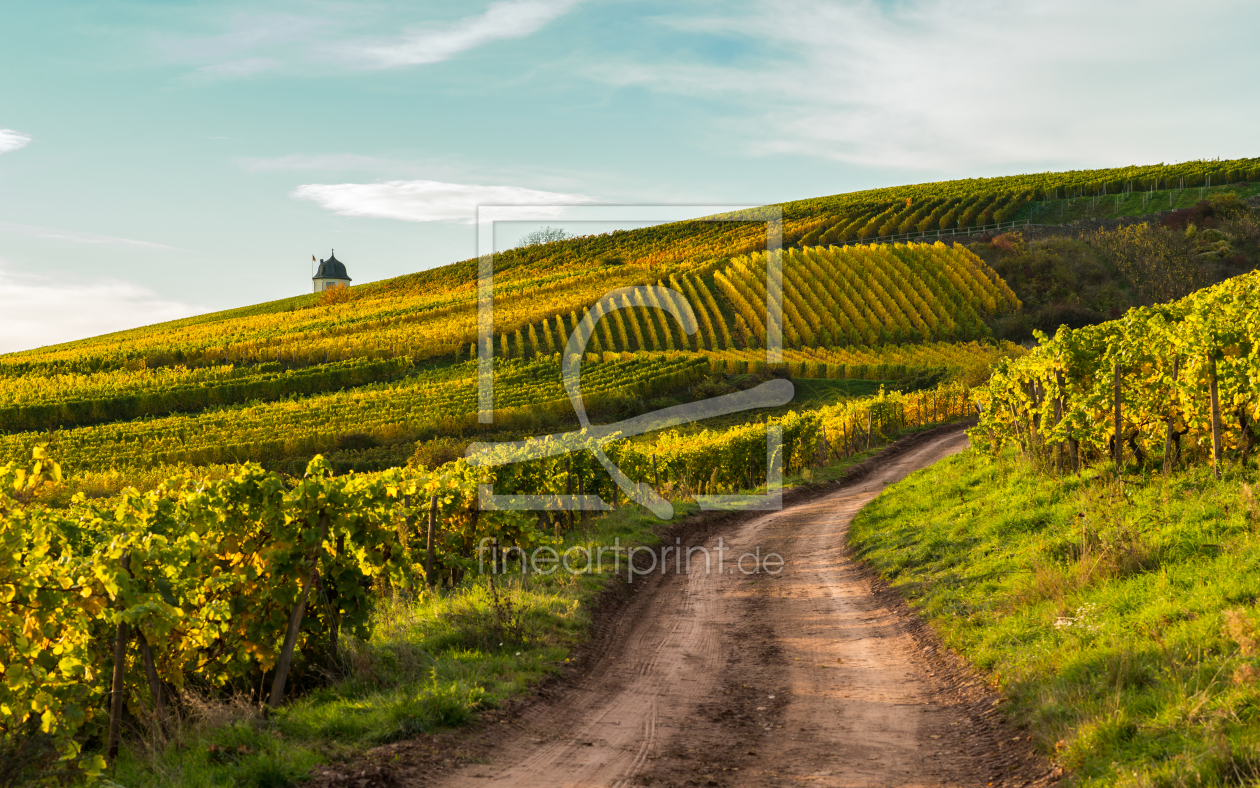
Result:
{"points": [[331, 273]]}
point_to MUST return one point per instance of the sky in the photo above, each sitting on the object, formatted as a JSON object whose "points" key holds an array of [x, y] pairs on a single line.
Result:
{"points": [[160, 159]]}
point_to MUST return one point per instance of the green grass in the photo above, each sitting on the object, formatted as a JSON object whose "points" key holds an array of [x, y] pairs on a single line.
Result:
{"points": [[816, 392], [1118, 619]]}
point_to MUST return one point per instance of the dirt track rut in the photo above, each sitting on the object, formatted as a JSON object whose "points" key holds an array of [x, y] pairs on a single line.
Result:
{"points": [[806, 677]]}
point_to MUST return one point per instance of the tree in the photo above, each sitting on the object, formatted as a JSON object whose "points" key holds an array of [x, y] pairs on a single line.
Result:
{"points": [[1158, 261], [545, 235], [334, 294]]}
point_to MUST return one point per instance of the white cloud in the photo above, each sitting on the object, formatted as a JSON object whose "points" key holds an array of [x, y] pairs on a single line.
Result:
{"points": [[45, 310], [432, 201], [434, 43], [54, 234], [11, 140], [945, 85]]}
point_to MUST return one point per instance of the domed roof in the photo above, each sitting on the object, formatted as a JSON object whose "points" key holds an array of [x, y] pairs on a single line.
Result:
{"points": [[332, 268]]}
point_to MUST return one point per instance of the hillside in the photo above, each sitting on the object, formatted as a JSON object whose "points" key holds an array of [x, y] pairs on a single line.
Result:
{"points": [[1081, 275], [568, 272], [344, 586], [370, 374]]}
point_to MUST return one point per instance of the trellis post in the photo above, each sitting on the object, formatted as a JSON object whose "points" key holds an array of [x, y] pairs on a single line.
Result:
{"points": [[1168, 431], [120, 673], [1116, 436], [1216, 419]]}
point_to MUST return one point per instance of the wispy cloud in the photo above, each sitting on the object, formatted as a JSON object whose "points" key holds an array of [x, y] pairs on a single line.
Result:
{"points": [[446, 168], [434, 43], [252, 43], [255, 43], [431, 201], [44, 310], [11, 140], [234, 69], [327, 162], [943, 85], [54, 234]]}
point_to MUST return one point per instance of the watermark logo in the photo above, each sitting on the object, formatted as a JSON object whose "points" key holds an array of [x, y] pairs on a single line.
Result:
{"points": [[638, 560], [594, 437]]}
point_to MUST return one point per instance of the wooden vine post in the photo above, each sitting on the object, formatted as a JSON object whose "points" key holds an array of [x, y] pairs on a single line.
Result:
{"points": [[1216, 419], [568, 491], [295, 619], [1032, 423], [334, 633], [430, 547], [408, 521], [582, 495], [150, 673], [656, 477], [1058, 419], [1168, 431], [1019, 436], [1073, 445], [1116, 436], [120, 674]]}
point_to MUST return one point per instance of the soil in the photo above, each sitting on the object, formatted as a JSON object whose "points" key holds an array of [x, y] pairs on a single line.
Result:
{"points": [[816, 675]]}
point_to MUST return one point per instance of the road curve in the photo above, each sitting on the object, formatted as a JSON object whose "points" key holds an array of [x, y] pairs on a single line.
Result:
{"points": [[802, 677]]}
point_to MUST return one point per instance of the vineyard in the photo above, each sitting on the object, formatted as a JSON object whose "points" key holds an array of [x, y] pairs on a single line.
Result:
{"points": [[249, 582], [1163, 385], [199, 583], [951, 205], [435, 402], [148, 551], [290, 384], [432, 314], [959, 360], [832, 298], [862, 296]]}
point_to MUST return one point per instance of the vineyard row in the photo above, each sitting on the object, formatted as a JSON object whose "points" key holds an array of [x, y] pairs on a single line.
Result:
{"points": [[1162, 385], [250, 581]]}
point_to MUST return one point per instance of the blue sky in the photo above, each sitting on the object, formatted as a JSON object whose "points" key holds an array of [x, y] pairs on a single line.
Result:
{"points": [[159, 159]]}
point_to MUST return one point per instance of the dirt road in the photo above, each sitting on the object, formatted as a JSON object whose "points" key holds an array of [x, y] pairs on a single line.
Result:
{"points": [[811, 676]]}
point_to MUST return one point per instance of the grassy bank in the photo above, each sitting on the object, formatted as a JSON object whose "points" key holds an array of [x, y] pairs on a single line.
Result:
{"points": [[1118, 618]]}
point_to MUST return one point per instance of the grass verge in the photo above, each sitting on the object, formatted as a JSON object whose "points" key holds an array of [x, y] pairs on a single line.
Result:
{"points": [[1118, 617]]}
